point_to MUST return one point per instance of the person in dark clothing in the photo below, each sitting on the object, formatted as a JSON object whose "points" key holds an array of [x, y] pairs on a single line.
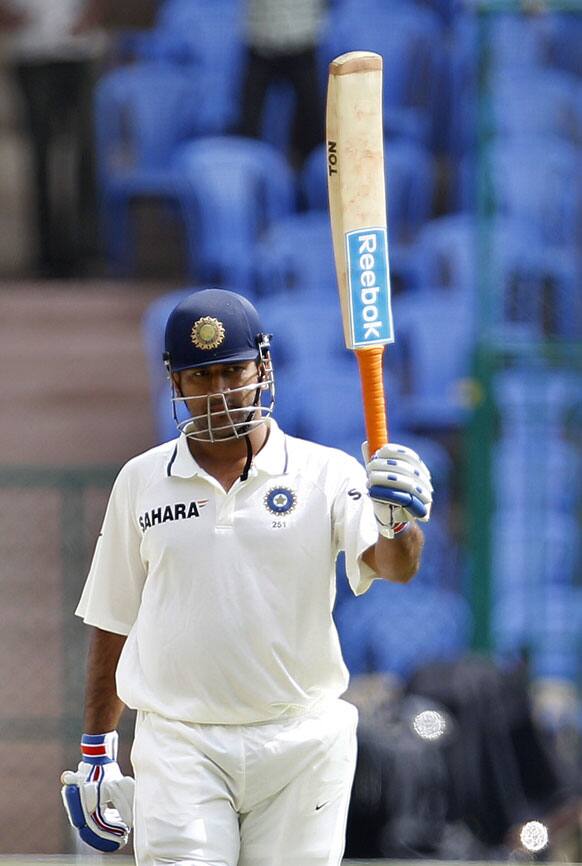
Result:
{"points": [[52, 49], [503, 770], [463, 787], [282, 38]]}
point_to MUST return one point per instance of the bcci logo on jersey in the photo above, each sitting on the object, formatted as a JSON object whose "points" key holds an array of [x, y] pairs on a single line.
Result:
{"points": [[369, 287], [280, 500]]}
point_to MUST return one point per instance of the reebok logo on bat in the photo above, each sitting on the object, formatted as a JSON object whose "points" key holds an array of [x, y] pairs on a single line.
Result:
{"points": [[369, 287], [368, 245]]}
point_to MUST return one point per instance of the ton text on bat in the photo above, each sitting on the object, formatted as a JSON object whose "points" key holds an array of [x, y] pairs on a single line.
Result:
{"points": [[331, 157]]}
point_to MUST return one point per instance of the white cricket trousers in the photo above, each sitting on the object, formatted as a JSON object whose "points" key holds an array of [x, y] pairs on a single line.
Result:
{"points": [[270, 794]]}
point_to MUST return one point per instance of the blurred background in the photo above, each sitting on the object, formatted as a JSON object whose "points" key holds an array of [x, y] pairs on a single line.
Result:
{"points": [[153, 149]]}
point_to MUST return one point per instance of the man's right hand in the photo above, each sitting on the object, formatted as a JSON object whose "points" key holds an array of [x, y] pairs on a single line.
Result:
{"points": [[98, 798]]}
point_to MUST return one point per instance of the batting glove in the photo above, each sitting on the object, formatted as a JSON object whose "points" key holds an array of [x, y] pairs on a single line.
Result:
{"points": [[400, 487], [98, 798]]}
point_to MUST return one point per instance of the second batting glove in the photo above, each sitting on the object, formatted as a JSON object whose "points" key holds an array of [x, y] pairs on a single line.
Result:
{"points": [[98, 798], [400, 486]]}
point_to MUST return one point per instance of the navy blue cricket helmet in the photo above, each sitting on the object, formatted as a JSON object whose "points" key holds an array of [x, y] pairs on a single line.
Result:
{"points": [[213, 326]]}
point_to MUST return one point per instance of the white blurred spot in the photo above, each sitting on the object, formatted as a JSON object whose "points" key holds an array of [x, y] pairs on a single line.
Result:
{"points": [[429, 725], [534, 836]]}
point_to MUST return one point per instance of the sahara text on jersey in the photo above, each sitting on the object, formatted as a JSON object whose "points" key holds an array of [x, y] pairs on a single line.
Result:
{"points": [[176, 511]]}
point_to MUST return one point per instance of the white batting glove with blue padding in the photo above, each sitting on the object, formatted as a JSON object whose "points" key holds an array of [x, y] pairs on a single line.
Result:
{"points": [[400, 486], [98, 798]]}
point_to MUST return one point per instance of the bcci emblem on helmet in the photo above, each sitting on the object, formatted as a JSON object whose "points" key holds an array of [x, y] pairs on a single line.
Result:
{"points": [[207, 333], [280, 500]]}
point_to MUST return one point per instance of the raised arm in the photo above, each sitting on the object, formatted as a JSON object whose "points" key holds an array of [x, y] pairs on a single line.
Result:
{"points": [[396, 559]]}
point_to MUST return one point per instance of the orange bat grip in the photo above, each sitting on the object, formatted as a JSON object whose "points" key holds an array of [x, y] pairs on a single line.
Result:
{"points": [[370, 364]]}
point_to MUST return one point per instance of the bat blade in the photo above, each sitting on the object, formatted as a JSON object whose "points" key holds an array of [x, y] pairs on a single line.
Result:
{"points": [[357, 206]]}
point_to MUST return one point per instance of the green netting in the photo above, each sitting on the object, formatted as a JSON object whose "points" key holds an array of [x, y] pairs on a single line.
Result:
{"points": [[527, 363]]}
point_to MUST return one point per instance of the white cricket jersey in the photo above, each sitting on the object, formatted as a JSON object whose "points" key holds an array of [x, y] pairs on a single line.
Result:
{"points": [[226, 598]]}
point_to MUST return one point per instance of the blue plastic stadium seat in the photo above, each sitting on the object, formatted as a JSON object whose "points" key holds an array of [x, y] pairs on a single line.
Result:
{"points": [[409, 181], [536, 401], [560, 466], [564, 42], [504, 33], [278, 116], [142, 113], [318, 324], [410, 39], [295, 256], [460, 122], [446, 9], [525, 102], [443, 561], [579, 114], [236, 187], [208, 35], [398, 629], [532, 288], [538, 294], [536, 605], [333, 413], [556, 639], [289, 401], [313, 180], [428, 366], [532, 179], [532, 549], [290, 366], [536, 549], [445, 254], [535, 408], [538, 180], [532, 33]]}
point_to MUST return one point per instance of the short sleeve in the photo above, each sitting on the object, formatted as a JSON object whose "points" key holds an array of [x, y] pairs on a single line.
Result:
{"points": [[354, 525], [112, 593]]}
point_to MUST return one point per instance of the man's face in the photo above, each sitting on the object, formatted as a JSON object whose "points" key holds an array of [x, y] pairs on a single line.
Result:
{"points": [[208, 389]]}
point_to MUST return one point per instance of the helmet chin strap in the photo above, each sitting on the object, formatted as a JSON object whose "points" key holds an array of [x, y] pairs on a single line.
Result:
{"points": [[249, 460]]}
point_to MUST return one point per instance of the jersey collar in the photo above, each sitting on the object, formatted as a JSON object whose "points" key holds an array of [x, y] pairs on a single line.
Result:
{"points": [[271, 459]]}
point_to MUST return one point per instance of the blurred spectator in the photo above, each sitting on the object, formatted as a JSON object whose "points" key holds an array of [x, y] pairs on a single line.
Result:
{"points": [[52, 47], [282, 37], [451, 764], [503, 768]]}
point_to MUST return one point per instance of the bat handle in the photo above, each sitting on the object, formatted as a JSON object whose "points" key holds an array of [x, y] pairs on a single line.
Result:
{"points": [[370, 364]]}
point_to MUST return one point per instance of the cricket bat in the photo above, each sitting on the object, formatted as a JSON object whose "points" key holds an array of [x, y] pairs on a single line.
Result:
{"points": [[357, 209]]}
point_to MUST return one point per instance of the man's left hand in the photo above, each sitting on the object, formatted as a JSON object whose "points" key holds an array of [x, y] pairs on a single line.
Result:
{"points": [[399, 484]]}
